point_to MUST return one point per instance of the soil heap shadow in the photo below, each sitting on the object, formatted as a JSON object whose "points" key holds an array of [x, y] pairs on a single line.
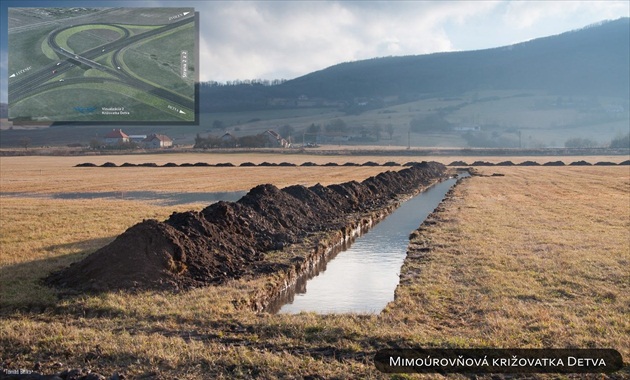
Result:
{"points": [[229, 240]]}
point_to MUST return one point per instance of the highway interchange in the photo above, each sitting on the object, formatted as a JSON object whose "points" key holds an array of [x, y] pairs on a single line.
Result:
{"points": [[39, 80]]}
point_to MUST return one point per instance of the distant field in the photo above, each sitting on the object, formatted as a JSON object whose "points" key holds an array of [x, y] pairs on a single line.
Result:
{"points": [[46, 174], [500, 116], [536, 258]]}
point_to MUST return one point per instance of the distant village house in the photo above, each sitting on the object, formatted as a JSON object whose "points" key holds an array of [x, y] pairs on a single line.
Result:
{"points": [[152, 141], [156, 141], [116, 137]]}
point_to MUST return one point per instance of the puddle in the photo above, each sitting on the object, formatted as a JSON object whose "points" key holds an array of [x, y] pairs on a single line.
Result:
{"points": [[363, 278], [165, 199]]}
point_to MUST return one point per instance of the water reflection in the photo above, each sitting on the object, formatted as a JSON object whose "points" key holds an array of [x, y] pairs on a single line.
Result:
{"points": [[363, 278], [165, 199]]}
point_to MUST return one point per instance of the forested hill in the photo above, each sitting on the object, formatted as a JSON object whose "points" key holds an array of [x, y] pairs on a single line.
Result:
{"points": [[591, 61]]}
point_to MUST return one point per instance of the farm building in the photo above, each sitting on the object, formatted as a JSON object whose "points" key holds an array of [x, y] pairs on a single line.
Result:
{"points": [[116, 136], [156, 141], [137, 138]]}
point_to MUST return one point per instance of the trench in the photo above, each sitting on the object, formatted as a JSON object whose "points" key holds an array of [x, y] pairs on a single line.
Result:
{"points": [[362, 275]]}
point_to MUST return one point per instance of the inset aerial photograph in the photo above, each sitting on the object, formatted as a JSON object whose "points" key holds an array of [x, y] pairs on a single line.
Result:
{"points": [[102, 64]]}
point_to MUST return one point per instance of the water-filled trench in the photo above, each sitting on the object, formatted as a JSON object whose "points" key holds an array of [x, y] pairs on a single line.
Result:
{"points": [[363, 277]]}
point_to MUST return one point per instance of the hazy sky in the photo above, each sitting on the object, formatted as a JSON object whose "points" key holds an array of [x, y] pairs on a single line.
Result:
{"points": [[287, 39]]}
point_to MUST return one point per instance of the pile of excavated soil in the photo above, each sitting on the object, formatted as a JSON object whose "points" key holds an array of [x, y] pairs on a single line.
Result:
{"points": [[228, 240]]}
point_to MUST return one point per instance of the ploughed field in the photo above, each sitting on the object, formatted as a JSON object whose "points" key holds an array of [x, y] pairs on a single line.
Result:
{"points": [[535, 258]]}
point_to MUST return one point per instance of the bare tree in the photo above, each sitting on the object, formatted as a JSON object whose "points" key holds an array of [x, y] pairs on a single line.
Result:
{"points": [[376, 131], [390, 130]]}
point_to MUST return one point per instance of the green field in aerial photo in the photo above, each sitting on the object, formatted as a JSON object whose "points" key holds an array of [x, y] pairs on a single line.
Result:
{"points": [[102, 64]]}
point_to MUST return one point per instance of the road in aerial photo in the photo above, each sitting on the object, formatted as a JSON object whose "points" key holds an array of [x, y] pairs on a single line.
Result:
{"points": [[102, 64]]}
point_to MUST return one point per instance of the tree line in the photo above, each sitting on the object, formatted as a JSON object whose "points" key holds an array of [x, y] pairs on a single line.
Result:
{"points": [[246, 82]]}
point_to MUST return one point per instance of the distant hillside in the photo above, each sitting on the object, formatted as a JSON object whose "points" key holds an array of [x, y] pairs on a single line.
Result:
{"points": [[590, 61]]}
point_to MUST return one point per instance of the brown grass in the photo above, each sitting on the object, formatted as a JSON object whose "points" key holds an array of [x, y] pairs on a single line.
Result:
{"points": [[538, 258], [534, 259]]}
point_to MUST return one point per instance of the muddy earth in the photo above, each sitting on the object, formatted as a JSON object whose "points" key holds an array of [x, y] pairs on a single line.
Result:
{"points": [[228, 240]]}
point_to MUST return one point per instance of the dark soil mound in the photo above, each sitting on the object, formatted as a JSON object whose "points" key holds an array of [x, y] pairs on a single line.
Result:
{"points": [[201, 164], [247, 164], [370, 163], [170, 165], [482, 163], [580, 163], [128, 164], [626, 162], [309, 164], [605, 163], [85, 165], [458, 163], [149, 164], [554, 163], [351, 164], [228, 240], [224, 165], [529, 163], [109, 165], [506, 163]]}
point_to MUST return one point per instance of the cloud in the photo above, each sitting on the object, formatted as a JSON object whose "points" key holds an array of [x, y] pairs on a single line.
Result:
{"points": [[543, 14], [249, 40]]}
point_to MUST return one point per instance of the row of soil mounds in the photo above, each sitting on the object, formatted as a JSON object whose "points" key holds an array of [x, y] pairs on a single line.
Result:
{"points": [[244, 164], [368, 163], [228, 240], [534, 163]]}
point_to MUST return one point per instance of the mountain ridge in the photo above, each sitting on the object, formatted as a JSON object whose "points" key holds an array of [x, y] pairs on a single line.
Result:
{"points": [[593, 60]]}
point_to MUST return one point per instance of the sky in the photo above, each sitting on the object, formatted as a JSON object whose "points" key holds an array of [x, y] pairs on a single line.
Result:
{"points": [[287, 39]]}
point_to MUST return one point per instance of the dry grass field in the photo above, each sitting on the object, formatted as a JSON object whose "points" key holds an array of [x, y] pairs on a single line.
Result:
{"points": [[536, 258], [46, 174]]}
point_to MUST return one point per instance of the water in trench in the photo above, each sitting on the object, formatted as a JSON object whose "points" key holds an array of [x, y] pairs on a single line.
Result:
{"points": [[362, 279]]}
